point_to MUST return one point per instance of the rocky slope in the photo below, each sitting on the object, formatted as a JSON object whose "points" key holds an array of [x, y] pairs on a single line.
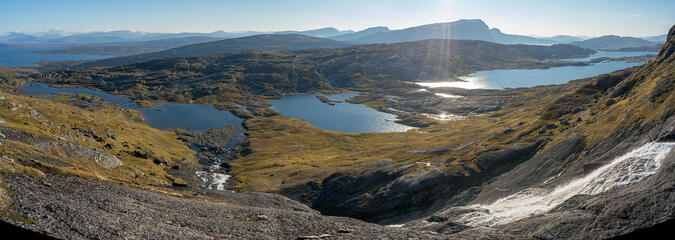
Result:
{"points": [[74, 208]]}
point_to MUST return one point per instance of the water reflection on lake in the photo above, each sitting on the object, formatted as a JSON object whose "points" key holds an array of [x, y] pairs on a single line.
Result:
{"points": [[343, 117], [518, 78], [160, 116]]}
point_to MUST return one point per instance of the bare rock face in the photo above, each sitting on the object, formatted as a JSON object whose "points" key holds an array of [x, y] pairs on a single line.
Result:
{"points": [[106, 160], [76, 151], [70, 207], [69, 149]]}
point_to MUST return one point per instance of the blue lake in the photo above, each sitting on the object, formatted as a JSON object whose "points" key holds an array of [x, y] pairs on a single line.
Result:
{"points": [[161, 116], [343, 117], [519, 78], [13, 57]]}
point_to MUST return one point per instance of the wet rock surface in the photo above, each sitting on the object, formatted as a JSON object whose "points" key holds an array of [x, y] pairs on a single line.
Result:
{"points": [[619, 211]]}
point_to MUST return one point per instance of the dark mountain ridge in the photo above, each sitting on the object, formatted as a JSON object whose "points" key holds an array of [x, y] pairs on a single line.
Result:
{"points": [[465, 29], [119, 36], [612, 42], [264, 42], [125, 48], [356, 35]]}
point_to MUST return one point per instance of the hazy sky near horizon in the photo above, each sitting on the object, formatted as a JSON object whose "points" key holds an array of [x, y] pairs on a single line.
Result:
{"points": [[527, 17]]}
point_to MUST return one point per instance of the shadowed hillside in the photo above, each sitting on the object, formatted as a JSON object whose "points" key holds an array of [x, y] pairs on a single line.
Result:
{"points": [[265, 42], [612, 42], [127, 48]]}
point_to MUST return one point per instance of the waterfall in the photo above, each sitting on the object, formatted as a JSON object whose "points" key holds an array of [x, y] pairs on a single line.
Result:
{"points": [[626, 169], [213, 180]]}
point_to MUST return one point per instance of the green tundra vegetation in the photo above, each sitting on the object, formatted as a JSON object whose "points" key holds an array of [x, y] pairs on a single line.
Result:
{"points": [[285, 152], [246, 78], [107, 143], [282, 152], [59, 135]]}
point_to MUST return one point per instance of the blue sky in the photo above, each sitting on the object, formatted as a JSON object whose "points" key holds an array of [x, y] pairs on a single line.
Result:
{"points": [[543, 18]]}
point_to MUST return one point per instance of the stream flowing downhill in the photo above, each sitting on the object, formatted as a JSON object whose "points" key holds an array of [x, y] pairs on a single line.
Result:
{"points": [[629, 168]]}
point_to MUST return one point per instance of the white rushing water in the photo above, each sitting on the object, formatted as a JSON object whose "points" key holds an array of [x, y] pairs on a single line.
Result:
{"points": [[215, 181], [629, 168]]}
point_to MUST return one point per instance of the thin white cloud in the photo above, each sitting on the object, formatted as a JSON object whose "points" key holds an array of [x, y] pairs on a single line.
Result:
{"points": [[627, 15]]}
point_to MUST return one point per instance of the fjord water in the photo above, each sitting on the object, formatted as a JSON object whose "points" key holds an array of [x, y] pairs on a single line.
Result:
{"points": [[13, 57], [343, 117], [632, 167], [519, 78]]}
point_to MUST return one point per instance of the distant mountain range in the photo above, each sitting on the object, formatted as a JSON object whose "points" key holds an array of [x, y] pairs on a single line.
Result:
{"points": [[563, 38], [125, 48], [659, 39], [360, 34], [131, 36], [468, 29], [322, 32], [101, 37], [612, 42], [653, 48], [126, 43], [263, 42]]}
